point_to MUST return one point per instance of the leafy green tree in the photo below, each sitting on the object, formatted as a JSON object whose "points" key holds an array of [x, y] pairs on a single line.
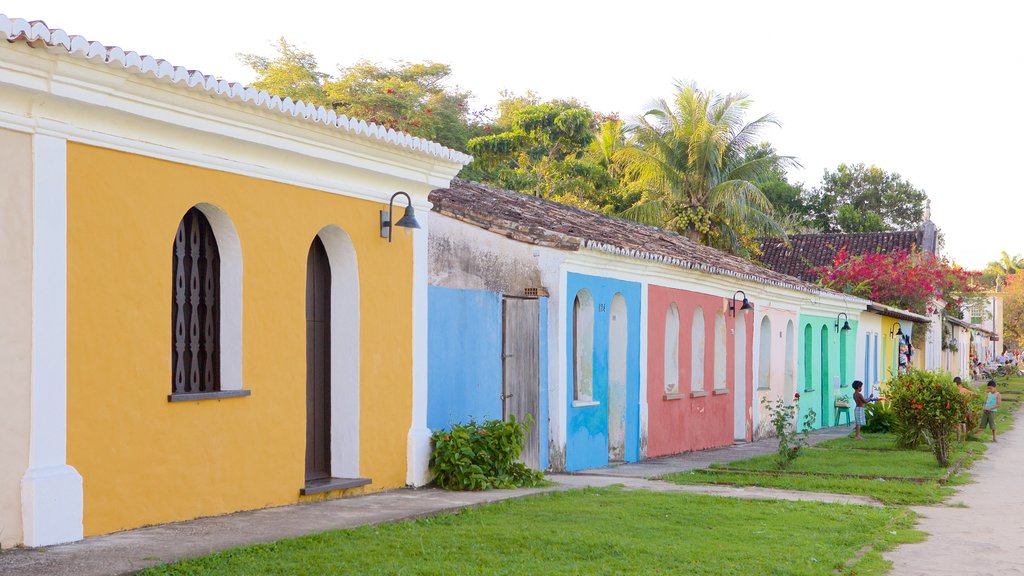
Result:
{"points": [[550, 149], [861, 198], [688, 160], [292, 73], [786, 198], [413, 97]]}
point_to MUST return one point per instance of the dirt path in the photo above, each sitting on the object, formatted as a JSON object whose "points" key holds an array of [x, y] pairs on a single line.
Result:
{"points": [[986, 537]]}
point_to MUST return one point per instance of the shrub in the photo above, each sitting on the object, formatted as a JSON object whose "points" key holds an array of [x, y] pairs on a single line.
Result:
{"points": [[482, 456], [783, 419], [880, 418], [929, 405]]}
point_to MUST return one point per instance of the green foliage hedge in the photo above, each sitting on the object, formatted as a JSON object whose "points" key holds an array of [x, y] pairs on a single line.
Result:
{"points": [[482, 456]]}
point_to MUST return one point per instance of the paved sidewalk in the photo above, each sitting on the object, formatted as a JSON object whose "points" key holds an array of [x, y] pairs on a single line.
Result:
{"points": [[656, 467], [986, 537], [133, 550]]}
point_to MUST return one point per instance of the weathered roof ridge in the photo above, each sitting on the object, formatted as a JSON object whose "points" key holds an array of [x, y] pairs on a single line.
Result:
{"points": [[37, 34], [535, 220]]}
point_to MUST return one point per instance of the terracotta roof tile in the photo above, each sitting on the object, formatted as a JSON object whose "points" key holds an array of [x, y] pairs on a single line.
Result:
{"points": [[807, 251], [537, 221]]}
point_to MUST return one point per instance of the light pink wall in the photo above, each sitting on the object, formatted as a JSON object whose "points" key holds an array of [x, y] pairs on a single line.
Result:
{"points": [[688, 421], [777, 375]]}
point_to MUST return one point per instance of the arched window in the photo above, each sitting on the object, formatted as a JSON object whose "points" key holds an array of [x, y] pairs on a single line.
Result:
{"points": [[583, 347], [697, 348], [764, 365], [790, 374], [719, 348], [808, 358], [672, 349], [195, 315]]}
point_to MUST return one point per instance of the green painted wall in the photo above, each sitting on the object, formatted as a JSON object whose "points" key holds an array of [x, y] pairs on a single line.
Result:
{"points": [[825, 362]]}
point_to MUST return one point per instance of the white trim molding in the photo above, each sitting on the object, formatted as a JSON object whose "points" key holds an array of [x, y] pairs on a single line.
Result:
{"points": [[418, 440], [51, 491]]}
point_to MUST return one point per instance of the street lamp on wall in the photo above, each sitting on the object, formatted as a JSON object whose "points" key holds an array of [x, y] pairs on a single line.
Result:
{"points": [[896, 330], [387, 222], [846, 322], [746, 305]]}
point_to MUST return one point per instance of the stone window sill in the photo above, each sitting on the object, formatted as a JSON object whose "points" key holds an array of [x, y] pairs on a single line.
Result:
{"points": [[698, 394], [331, 485], [721, 392], [189, 397], [584, 403], [673, 396]]}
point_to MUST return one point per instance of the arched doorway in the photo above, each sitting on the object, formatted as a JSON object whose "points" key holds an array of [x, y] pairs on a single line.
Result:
{"points": [[318, 363], [740, 380], [789, 384], [618, 346], [332, 369], [826, 382]]}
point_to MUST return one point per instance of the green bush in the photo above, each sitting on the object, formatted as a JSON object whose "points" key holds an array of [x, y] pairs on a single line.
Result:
{"points": [[880, 418], [927, 405], [482, 456]]}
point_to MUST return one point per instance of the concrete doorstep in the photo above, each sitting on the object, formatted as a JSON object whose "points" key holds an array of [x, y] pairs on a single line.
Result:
{"points": [[132, 550]]}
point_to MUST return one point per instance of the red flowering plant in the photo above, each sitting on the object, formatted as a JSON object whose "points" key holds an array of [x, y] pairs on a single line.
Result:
{"points": [[911, 280], [927, 405]]}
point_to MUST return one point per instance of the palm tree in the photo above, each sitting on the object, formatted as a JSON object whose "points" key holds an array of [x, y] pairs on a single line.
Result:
{"points": [[687, 158], [1005, 266]]}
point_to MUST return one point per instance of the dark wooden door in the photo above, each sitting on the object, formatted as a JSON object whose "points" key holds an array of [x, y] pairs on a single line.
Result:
{"points": [[521, 370], [318, 363]]}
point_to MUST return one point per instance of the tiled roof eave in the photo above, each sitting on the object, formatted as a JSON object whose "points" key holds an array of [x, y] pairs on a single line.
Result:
{"points": [[891, 312], [681, 263], [37, 35]]}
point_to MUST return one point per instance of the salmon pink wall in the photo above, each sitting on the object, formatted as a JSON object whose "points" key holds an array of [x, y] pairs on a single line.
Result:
{"points": [[691, 420]]}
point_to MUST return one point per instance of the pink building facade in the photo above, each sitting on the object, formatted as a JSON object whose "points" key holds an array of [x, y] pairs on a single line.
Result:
{"points": [[699, 371]]}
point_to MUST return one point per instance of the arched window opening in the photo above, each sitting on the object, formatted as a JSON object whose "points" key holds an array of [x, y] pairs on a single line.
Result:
{"points": [[697, 349], [764, 366], [195, 314], [719, 347], [672, 350], [808, 358], [583, 347]]}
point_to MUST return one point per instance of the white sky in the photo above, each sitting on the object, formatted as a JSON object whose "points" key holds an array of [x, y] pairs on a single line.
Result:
{"points": [[926, 89]]}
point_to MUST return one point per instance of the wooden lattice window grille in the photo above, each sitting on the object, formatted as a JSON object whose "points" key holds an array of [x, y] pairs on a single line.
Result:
{"points": [[195, 316]]}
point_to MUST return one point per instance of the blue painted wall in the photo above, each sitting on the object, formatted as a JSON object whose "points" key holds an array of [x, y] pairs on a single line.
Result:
{"points": [[587, 426], [464, 364]]}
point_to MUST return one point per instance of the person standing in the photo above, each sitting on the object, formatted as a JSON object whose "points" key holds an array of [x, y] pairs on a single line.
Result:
{"points": [[859, 418], [993, 400]]}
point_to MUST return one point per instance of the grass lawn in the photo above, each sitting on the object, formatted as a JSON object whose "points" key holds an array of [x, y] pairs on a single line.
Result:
{"points": [[593, 531], [874, 455]]}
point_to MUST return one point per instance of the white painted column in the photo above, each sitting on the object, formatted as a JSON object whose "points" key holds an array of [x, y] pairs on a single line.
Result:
{"points": [[644, 408], [418, 449], [51, 491]]}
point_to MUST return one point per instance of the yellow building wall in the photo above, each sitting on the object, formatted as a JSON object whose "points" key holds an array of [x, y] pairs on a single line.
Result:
{"points": [[887, 362], [15, 326], [145, 460]]}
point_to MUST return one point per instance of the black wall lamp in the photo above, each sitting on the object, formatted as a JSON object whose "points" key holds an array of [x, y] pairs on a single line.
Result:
{"points": [[896, 330], [387, 221], [846, 322], [746, 305]]}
